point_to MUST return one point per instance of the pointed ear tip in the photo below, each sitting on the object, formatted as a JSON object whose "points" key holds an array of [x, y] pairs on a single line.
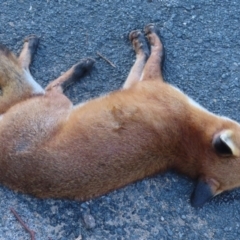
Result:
{"points": [[224, 147], [225, 144]]}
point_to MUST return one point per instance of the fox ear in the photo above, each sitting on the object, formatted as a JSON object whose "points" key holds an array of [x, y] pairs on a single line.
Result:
{"points": [[224, 144], [204, 191]]}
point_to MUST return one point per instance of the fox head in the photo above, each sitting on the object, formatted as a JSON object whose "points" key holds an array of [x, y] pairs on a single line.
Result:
{"points": [[221, 172]]}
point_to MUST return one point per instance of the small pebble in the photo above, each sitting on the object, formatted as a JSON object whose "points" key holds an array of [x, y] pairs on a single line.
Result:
{"points": [[89, 221], [79, 237], [169, 232]]}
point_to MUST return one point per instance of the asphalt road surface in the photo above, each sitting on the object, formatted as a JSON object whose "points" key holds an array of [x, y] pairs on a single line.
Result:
{"points": [[202, 43]]}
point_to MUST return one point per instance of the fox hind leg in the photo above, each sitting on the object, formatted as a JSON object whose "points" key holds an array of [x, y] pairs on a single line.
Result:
{"points": [[28, 51], [142, 52], [152, 69]]}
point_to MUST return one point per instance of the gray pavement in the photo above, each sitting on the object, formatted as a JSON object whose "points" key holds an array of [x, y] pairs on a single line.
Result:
{"points": [[202, 45]]}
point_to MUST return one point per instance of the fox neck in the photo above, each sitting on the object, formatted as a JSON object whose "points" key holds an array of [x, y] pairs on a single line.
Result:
{"points": [[185, 138]]}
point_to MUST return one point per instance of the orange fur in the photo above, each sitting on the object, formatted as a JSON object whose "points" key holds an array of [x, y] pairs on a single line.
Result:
{"points": [[50, 148]]}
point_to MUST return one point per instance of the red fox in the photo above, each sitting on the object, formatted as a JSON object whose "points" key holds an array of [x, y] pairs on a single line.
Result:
{"points": [[52, 149]]}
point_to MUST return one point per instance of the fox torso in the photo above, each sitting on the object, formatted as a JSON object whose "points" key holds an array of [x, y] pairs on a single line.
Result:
{"points": [[80, 152]]}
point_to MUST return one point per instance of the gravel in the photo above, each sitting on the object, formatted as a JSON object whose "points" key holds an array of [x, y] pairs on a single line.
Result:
{"points": [[202, 41]]}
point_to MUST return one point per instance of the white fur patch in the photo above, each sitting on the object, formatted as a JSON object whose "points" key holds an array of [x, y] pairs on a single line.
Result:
{"points": [[192, 102], [229, 119], [141, 78], [37, 89], [178, 89], [79, 105], [197, 105]]}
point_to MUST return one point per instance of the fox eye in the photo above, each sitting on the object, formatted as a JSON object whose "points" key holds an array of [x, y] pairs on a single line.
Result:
{"points": [[221, 146]]}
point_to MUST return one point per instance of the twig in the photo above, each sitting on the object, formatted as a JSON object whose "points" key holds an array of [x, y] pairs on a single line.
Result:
{"points": [[32, 233], [100, 55]]}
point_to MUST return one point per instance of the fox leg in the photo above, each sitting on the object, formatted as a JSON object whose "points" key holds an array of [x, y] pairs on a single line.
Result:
{"points": [[25, 59], [16, 82], [152, 69], [73, 74], [142, 52], [29, 49]]}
